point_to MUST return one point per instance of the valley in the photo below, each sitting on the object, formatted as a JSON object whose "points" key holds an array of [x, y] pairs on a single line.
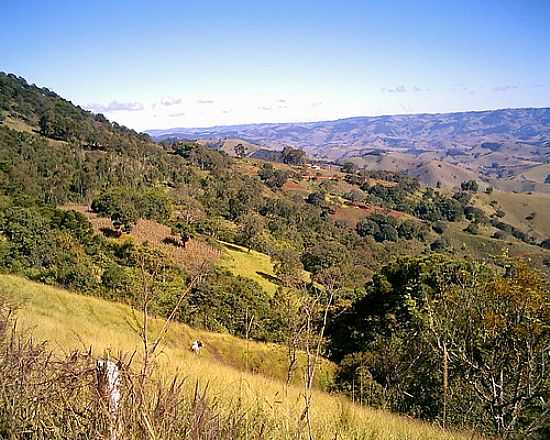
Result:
{"points": [[320, 283]]}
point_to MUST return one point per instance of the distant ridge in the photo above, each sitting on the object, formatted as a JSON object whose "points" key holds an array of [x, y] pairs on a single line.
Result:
{"points": [[423, 132]]}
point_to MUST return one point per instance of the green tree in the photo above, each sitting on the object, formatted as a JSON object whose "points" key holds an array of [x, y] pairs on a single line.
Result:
{"points": [[316, 198], [185, 232], [240, 150], [288, 268], [470, 185], [350, 168], [250, 226], [293, 156]]}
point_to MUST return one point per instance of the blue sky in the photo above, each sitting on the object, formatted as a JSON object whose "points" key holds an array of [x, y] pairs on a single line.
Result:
{"points": [[188, 63]]}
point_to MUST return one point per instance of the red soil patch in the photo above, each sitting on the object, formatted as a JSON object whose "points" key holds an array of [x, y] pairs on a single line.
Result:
{"points": [[294, 186], [191, 257]]}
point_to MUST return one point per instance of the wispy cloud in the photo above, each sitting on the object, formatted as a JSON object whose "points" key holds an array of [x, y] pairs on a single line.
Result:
{"points": [[115, 106], [205, 101], [505, 88], [168, 101], [398, 89], [402, 89], [461, 89]]}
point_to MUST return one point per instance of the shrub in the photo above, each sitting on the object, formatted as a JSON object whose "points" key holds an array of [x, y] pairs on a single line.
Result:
{"points": [[439, 227], [472, 228], [470, 185], [439, 244]]}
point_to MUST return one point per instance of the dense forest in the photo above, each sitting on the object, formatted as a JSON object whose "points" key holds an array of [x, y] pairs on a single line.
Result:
{"points": [[413, 327]]}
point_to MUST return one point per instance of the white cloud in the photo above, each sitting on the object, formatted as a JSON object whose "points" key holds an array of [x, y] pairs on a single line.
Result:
{"points": [[168, 101], [398, 89], [115, 106]]}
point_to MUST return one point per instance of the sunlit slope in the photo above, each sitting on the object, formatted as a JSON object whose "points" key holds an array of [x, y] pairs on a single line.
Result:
{"points": [[519, 209], [70, 321]]}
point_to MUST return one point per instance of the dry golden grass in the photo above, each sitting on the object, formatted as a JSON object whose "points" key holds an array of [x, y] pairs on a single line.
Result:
{"points": [[518, 206], [70, 321], [18, 125]]}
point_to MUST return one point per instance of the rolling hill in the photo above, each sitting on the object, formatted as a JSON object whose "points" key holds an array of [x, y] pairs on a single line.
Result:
{"points": [[510, 148], [350, 136]]}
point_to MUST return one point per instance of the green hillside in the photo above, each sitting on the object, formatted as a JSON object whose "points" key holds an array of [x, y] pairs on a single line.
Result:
{"points": [[69, 321], [360, 265]]}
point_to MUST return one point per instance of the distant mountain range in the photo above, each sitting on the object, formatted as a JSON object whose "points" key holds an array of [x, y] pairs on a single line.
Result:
{"points": [[354, 137]]}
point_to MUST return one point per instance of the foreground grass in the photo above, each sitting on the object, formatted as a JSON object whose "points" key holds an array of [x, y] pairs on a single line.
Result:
{"points": [[70, 321]]}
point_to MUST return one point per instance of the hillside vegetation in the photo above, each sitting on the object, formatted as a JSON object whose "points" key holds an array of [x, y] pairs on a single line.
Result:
{"points": [[69, 321], [363, 267]]}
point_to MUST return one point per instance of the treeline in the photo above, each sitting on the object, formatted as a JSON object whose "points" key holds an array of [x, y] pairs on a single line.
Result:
{"points": [[57, 174], [59, 119]]}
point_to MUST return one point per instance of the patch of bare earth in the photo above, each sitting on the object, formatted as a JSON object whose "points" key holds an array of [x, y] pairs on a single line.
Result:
{"points": [[194, 255]]}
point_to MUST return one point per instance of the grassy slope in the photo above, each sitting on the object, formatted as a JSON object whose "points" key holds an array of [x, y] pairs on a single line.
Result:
{"points": [[19, 125], [538, 173], [519, 206], [249, 264], [482, 246], [69, 321]]}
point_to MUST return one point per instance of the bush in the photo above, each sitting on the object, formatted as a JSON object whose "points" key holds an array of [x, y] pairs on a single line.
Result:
{"points": [[367, 227], [387, 232], [355, 196], [470, 185], [500, 235], [439, 244], [472, 228], [316, 198], [439, 227]]}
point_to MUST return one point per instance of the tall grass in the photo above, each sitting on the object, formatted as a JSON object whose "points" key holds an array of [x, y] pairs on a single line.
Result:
{"points": [[209, 400]]}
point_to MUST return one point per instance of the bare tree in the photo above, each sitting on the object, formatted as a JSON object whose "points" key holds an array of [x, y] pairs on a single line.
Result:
{"points": [[317, 308], [152, 267]]}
